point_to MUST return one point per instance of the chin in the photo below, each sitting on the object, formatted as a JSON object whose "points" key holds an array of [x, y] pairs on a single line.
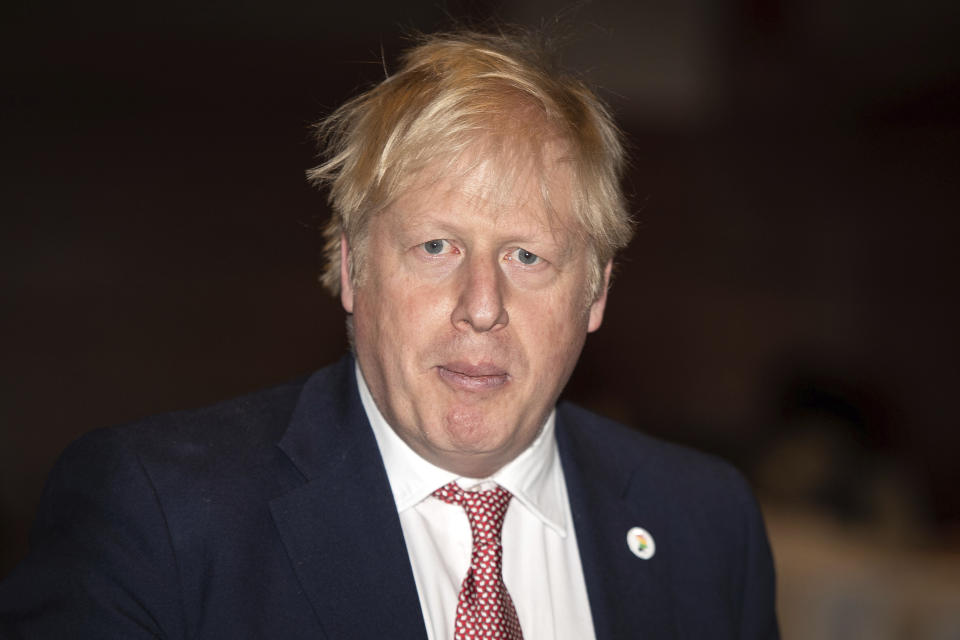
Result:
{"points": [[473, 431]]}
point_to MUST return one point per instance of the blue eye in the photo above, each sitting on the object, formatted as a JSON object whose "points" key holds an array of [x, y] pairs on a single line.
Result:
{"points": [[526, 257], [434, 247]]}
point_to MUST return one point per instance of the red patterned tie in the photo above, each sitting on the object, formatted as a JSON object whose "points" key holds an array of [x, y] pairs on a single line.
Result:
{"points": [[484, 608]]}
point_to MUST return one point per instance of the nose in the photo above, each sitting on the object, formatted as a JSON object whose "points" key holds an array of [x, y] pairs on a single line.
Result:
{"points": [[480, 303]]}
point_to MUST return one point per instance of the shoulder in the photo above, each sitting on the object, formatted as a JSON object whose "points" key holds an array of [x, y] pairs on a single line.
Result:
{"points": [[177, 457], [181, 498], [236, 427], [227, 450], [628, 454], [691, 501], [681, 489]]}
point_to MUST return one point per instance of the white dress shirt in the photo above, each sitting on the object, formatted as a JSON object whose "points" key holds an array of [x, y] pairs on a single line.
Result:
{"points": [[541, 560]]}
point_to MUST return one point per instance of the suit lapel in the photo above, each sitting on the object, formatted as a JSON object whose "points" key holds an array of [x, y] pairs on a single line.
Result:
{"points": [[342, 533], [629, 596], [340, 527]]}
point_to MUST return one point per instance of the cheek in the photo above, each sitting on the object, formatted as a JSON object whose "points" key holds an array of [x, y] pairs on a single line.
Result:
{"points": [[399, 313], [556, 327], [421, 295]]}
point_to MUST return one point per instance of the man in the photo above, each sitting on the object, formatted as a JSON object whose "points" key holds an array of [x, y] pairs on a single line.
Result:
{"points": [[426, 487]]}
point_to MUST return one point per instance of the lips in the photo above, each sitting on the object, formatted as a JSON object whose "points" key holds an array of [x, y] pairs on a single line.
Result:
{"points": [[473, 377]]}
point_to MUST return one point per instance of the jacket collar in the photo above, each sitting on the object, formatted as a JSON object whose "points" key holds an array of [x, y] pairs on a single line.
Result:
{"points": [[626, 593], [362, 551], [340, 527]]}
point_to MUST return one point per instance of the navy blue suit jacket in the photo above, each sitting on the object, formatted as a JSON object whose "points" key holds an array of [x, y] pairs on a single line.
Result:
{"points": [[270, 516]]}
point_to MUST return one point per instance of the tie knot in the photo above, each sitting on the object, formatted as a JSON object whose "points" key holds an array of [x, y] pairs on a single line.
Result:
{"points": [[485, 509]]}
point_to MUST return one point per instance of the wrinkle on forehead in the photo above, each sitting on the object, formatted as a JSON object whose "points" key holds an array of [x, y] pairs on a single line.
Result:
{"points": [[501, 180]]}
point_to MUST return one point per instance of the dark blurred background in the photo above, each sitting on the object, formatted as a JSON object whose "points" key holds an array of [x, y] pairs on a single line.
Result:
{"points": [[790, 301]]}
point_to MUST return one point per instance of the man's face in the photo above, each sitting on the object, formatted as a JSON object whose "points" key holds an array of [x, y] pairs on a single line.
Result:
{"points": [[470, 315]]}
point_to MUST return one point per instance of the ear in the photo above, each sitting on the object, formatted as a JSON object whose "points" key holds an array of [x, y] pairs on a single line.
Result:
{"points": [[346, 286], [598, 306]]}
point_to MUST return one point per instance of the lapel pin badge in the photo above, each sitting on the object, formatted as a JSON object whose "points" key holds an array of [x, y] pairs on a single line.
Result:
{"points": [[641, 543]]}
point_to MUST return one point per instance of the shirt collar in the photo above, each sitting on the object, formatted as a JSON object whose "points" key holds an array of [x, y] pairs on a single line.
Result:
{"points": [[534, 477]]}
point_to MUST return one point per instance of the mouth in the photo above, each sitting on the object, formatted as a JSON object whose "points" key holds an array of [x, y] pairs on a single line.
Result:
{"points": [[464, 376]]}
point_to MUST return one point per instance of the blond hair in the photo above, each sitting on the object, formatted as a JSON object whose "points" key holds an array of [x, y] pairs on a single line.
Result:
{"points": [[453, 92]]}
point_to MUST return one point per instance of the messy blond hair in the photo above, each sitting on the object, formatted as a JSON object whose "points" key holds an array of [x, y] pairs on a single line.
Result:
{"points": [[457, 91]]}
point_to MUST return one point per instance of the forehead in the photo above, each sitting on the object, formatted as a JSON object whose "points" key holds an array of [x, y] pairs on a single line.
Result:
{"points": [[504, 190]]}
